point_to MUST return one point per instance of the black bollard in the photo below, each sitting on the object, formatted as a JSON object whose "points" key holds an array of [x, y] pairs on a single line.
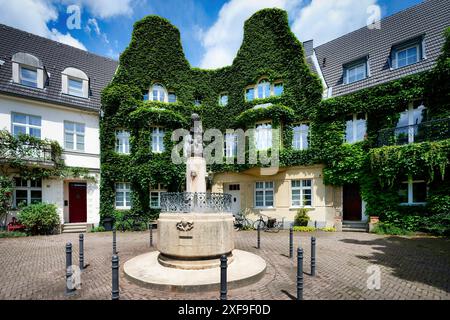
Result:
{"points": [[313, 256], [223, 277], [69, 271], [114, 241], [299, 274], [81, 251], [258, 242], [151, 234], [115, 278], [291, 242]]}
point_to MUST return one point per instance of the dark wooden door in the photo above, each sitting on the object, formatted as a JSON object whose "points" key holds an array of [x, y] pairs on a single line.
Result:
{"points": [[352, 205], [77, 202]]}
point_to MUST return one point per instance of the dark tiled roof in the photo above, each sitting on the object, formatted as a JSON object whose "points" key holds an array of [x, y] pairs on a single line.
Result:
{"points": [[55, 58], [428, 19]]}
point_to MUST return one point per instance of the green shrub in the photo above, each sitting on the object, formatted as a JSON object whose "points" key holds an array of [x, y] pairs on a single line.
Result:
{"points": [[12, 234], [98, 229], [301, 218], [386, 228], [124, 220], [328, 229], [304, 229], [39, 218]]}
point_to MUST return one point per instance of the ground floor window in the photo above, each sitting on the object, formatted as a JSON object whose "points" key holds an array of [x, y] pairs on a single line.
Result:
{"points": [[123, 195], [27, 192], [264, 194], [301, 193], [155, 195], [413, 191]]}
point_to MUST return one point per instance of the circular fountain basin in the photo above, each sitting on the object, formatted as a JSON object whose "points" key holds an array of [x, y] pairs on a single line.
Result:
{"points": [[145, 270], [194, 240]]}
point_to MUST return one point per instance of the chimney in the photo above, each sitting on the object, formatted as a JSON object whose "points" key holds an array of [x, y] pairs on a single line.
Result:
{"points": [[309, 47]]}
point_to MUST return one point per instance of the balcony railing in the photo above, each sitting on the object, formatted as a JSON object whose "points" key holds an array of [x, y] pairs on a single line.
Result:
{"points": [[433, 130], [32, 154]]}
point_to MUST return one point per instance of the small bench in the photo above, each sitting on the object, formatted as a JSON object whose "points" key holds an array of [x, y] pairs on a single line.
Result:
{"points": [[14, 225]]}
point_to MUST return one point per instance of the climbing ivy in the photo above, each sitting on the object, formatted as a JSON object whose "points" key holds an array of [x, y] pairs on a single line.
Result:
{"points": [[269, 51]]}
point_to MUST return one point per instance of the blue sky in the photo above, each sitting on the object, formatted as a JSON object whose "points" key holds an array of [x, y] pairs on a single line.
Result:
{"points": [[211, 30]]}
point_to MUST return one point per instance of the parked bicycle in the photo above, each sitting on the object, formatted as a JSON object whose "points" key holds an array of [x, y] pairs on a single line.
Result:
{"points": [[241, 222], [269, 225]]}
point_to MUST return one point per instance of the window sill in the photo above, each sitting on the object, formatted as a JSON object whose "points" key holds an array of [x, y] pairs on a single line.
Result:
{"points": [[27, 87], [123, 208], [413, 204], [73, 96], [264, 208], [303, 207]]}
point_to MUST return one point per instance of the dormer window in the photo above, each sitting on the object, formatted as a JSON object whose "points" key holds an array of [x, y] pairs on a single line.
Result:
{"points": [[76, 87], [27, 70], [263, 89], [28, 77], [355, 71], [407, 53], [75, 83]]}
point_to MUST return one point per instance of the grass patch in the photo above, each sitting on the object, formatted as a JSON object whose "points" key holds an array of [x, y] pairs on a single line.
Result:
{"points": [[387, 229], [12, 234]]}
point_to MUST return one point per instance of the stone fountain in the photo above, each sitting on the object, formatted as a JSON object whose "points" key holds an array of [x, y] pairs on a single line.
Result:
{"points": [[194, 229]]}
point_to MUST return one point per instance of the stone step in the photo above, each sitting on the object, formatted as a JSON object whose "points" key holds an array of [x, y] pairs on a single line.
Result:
{"points": [[344, 229], [74, 228], [354, 226]]}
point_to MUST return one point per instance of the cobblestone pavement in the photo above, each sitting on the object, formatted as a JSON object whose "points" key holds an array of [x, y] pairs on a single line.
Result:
{"points": [[411, 268]]}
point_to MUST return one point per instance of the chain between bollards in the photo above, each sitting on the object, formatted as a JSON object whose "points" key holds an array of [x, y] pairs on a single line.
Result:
{"points": [[223, 277], [299, 274], [291, 242], [151, 234], [81, 251], [313, 256], [115, 278], [114, 241], [69, 271], [258, 242]]}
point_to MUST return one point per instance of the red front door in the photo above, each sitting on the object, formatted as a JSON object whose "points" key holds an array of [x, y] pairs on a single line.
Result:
{"points": [[352, 205], [77, 202]]}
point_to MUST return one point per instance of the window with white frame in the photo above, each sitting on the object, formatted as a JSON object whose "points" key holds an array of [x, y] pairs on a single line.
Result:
{"points": [[300, 136], [73, 136], [158, 140], [355, 127], [406, 55], [158, 93], [172, 97], [230, 144], [26, 192], [413, 191], [123, 195], [28, 76], [355, 72], [123, 142], [263, 136], [26, 124], [263, 89], [155, 195], [223, 99], [301, 193], [264, 194], [407, 126], [249, 94], [278, 89], [75, 87]]}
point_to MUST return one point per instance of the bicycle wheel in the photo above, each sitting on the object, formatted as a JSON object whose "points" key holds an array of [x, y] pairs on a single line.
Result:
{"points": [[259, 224]]}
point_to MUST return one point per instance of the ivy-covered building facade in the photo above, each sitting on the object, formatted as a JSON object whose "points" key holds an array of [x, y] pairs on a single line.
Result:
{"points": [[362, 121]]}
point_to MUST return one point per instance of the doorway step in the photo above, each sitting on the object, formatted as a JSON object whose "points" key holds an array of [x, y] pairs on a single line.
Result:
{"points": [[75, 227], [354, 226]]}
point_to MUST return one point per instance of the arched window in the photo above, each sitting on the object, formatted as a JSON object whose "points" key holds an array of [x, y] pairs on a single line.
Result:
{"points": [[263, 89], [27, 70], [158, 93], [75, 82]]}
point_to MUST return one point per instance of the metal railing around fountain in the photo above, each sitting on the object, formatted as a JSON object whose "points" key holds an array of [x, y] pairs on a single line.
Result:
{"points": [[202, 202]]}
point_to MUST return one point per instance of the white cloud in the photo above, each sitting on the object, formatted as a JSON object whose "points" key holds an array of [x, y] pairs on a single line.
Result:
{"points": [[33, 16], [223, 39], [321, 20], [324, 20], [93, 22], [106, 8]]}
